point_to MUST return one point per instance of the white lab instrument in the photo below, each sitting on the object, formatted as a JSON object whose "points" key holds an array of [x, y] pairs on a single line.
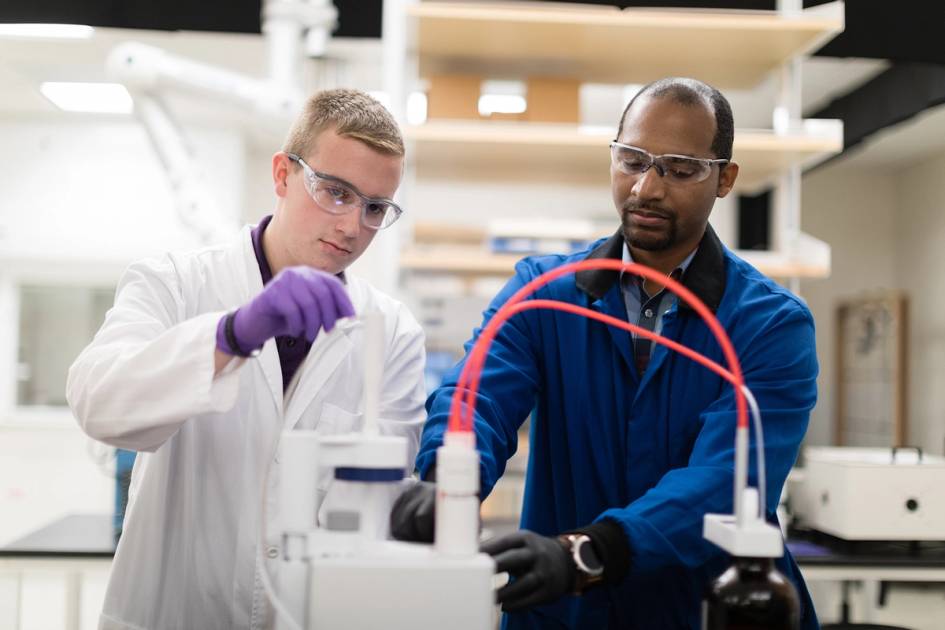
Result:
{"points": [[872, 493], [338, 570]]}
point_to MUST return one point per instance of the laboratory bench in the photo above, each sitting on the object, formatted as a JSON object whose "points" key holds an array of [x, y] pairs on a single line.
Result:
{"points": [[74, 545], [873, 565], [81, 543]]}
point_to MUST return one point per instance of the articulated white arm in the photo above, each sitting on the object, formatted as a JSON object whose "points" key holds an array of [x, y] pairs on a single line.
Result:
{"points": [[195, 206], [149, 71]]}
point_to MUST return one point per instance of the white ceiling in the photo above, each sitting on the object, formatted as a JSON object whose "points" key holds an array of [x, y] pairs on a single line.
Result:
{"points": [[25, 62]]}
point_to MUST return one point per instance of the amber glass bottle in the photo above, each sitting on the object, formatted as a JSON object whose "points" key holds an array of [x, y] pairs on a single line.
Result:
{"points": [[751, 595]]}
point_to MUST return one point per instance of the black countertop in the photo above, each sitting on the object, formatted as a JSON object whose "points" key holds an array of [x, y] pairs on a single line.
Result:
{"points": [[814, 548], [73, 536]]}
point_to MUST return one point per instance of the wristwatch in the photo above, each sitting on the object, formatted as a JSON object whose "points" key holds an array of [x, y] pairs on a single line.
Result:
{"points": [[590, 568]]}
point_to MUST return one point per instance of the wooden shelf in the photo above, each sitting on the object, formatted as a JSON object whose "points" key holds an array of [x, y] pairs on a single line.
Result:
{"points": [[476, 262], [599, 44], [504, 151]]}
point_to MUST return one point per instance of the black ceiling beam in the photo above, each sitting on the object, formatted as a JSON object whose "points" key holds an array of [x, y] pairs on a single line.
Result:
{"points": [[356, 18], [893, 96], [904, 30], [901, 31]]}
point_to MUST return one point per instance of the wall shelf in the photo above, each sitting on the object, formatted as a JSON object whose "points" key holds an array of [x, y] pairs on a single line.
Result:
{"points": [[501, 150], [731, 49], [601, 44], [476, 262]]}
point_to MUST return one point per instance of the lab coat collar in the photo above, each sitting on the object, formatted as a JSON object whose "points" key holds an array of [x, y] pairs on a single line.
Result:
{"points": [[705, 276]]}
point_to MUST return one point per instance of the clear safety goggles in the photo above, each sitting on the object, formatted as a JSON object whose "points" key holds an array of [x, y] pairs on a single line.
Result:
{"points": [[336, 196], [676, 169]]}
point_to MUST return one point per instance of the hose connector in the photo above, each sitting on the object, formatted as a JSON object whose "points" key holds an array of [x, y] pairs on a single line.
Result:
{"points": [[457, 495]]}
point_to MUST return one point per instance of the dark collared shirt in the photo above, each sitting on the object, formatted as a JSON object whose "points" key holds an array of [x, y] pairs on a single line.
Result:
{"points": [[646, 310], [292, 350]]}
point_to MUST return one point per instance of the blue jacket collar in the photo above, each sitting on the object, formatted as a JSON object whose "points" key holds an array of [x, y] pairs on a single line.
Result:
{"points": [[705, 276]]}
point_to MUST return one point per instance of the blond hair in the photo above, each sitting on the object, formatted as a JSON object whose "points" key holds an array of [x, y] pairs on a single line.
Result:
{"points": [[350, 113]]}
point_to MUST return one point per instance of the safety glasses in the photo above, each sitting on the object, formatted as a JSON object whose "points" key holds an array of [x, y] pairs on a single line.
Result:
{"points": [[676, 169], [337, 196]]}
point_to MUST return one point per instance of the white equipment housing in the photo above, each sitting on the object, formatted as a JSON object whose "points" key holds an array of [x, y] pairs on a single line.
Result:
{"points": [[872, 493], [400, 586], [344, 573], [338, 569]]}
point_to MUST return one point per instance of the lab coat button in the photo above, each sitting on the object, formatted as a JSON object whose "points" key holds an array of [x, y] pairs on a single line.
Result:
{"points": [[272, 552]]}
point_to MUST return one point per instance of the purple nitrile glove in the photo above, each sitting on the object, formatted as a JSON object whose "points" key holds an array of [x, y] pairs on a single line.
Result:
{"points": [[298, 301]]}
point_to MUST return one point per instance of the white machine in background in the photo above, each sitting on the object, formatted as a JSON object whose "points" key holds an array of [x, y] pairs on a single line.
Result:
{"points": [[341, 571], [871, 493]]}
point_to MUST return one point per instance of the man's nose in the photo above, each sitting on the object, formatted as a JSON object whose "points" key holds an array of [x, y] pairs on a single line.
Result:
{"points": [[650, 184], [349, 223]]}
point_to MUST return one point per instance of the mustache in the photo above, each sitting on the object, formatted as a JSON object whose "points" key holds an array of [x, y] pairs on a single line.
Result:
{"points": [[660, 211]]}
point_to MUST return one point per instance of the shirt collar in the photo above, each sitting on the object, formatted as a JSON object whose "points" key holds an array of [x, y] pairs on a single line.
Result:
{"points": [[705, 275], [264, 269], [677, 273]]}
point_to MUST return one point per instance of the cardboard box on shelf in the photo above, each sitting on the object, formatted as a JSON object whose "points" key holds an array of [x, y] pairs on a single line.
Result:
{"points": [[553, 100], [454, 96], [549, 100]]}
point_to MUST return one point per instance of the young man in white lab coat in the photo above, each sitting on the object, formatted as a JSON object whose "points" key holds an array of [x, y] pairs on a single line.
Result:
{"points": [[193, 365]]}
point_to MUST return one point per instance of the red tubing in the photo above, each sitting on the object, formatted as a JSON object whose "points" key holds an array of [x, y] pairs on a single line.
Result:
{"points": [[468, 383]]}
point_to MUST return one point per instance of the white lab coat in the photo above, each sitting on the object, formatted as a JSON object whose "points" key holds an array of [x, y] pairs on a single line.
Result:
{"points": [[186, 559]]}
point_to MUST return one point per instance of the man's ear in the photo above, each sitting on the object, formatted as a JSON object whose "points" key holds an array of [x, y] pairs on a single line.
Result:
{"points": [[281, 165], [727, 178]]}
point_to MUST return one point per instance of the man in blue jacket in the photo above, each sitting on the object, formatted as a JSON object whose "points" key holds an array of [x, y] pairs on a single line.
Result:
{"points": [[632, 444]]}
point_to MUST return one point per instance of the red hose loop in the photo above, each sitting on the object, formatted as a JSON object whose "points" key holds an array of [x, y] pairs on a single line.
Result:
{"points": [[468, 383]]}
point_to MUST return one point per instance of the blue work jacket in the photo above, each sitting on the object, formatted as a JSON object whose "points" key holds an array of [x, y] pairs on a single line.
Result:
{"points": [[653, 453]]}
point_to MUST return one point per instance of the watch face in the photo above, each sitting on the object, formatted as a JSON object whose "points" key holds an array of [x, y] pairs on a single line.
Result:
{"points": [[589, 557]]}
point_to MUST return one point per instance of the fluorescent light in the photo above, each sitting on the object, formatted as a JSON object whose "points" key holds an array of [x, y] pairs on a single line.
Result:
{"points": [[416, 108], [57, 31], [501, 104], [416, 105], [102, 98]]}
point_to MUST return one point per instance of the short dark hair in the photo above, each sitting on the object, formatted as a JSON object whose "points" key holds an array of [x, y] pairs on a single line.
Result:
{"points": [[691, 92]]}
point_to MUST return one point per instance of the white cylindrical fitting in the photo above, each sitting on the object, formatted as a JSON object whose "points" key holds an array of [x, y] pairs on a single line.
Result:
{"points": [[457, 495], [283, 41], [749, 507], [298, 481], [374, 352]]}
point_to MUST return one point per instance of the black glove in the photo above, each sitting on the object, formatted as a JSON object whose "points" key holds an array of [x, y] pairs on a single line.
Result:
{"points": [[413, 516], [540, 568]]}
